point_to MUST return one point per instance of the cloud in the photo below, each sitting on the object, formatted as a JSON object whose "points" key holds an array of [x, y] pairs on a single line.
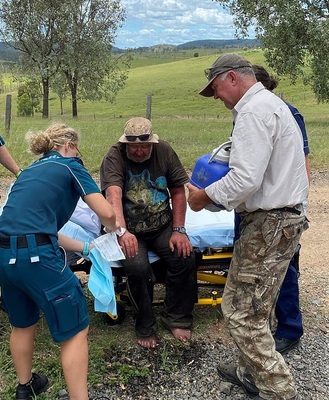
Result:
{"points": [[151, 22]]}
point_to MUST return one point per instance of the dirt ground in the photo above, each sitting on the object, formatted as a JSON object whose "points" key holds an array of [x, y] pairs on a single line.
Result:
{"points": [[314, 262]]}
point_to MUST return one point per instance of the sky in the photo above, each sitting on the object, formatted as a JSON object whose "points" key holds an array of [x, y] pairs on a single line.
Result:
{"points": [[152, 22]]}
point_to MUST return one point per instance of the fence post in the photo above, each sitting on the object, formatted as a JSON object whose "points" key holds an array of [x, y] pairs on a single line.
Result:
{"points": [[149, 106], [8, 113]]}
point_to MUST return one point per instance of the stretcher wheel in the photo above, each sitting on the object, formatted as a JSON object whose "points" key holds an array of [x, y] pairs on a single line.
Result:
{"points": [[116, 319]]}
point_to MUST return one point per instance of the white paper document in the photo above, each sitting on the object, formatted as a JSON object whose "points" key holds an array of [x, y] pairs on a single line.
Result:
{"points": [[109, 247]]}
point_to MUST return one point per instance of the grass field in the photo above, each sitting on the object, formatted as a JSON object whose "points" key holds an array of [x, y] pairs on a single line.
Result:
{"points": [[194, 125]]}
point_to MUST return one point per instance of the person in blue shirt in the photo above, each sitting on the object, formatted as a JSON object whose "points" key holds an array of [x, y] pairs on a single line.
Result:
{"points": [[289, 328], [33, 273]]}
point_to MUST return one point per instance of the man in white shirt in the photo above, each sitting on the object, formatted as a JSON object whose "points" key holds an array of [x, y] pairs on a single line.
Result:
{"points": [[267, 183]]}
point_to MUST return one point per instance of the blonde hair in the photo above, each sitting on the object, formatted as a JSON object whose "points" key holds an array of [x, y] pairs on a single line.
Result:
{"points": [[55, 136]]}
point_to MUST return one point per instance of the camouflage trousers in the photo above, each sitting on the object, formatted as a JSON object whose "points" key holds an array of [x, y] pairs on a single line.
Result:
{"points": [[260, 261]]}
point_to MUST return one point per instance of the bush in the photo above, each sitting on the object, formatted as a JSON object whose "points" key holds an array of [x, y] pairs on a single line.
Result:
{"points": [[28, 99], [24, 106]]}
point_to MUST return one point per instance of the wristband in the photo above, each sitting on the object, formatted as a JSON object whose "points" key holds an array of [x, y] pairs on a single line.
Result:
{"points": [[85, 251], [120, 231], [18, 173]]}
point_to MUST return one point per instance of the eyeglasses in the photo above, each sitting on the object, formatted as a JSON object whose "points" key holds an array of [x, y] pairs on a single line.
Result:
{"points": [[79, 152], [72, 144], [143, 138]]}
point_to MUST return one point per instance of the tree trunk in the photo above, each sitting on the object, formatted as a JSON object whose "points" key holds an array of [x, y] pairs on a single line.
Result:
{"points": [[45, 98], [74, 103], [61, 104], [74, 90], [73, 85]]}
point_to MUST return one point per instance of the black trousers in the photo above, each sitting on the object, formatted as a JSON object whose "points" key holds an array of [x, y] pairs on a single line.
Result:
{"points": [[180, 284]]}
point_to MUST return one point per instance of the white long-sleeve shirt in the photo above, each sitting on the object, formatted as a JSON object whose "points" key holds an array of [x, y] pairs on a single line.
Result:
{"points": [[267, 160]]}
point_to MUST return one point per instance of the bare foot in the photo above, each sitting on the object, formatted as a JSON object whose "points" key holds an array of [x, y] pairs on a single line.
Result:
{"points": [[184, 335], [149, 342]]}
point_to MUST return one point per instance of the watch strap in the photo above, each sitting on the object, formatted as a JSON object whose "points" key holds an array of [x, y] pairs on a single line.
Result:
{"points": [[180, 229]]}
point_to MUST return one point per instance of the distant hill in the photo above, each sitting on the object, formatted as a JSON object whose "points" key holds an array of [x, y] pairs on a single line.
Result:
{"points": [[197, 44], [214, 44], [7, 53]]}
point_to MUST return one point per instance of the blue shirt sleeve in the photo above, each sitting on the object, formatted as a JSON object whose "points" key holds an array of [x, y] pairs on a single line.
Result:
{"points": [[300, 121]]}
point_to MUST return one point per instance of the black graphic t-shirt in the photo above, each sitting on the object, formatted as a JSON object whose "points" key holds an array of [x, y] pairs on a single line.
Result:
{"points": [[145, 185]]}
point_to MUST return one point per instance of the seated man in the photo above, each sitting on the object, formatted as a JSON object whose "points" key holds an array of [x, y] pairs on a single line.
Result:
{"points": [[139, 176]]}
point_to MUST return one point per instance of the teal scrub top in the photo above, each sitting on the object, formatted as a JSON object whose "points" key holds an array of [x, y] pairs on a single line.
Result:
{"points": [[45, 195]]}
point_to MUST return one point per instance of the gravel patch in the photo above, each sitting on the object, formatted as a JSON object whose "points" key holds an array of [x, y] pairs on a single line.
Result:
{"points": [[176, 371]]}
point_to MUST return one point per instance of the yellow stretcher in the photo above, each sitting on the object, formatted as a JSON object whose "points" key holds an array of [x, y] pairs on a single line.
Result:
{"points": [[212, 266]]}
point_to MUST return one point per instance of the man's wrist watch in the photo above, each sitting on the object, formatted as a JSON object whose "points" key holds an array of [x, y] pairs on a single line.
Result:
{"points": [[180, 229]]}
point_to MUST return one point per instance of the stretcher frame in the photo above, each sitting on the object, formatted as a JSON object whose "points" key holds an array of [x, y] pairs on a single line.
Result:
{"points": [[212, 267]]}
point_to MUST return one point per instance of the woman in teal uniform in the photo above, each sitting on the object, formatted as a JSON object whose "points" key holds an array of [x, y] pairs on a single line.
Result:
{"points": [[33, 272]]}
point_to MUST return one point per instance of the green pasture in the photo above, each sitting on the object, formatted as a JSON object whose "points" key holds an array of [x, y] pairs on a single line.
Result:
{"points": [[141, 59], [194, 125]]}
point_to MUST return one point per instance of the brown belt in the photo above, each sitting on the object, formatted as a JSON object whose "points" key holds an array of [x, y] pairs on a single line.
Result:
{"points": [[288, 209]]}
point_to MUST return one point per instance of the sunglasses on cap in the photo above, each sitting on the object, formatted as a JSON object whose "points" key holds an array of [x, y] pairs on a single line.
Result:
{"points": [[211, 72], [143, 137]]}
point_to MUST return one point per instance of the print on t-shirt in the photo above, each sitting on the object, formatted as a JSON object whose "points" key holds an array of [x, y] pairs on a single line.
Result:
{"points": [[147, 203]]}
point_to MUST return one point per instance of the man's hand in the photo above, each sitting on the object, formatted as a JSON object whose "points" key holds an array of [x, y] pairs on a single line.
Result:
{"points": [[129, 244], [182, 244], [197, 198]]}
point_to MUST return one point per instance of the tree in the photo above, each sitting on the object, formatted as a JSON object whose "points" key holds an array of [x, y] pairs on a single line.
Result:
{"points": [[294, 35], [60, 87], [73, 36], [88, 33], [30, 27]]}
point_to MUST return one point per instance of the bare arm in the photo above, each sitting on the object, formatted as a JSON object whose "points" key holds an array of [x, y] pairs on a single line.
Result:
{"points": [[179, 240], [127, 241], [103, 209], [178, 202], [70, 244], [7, 160], [113, 196]]}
